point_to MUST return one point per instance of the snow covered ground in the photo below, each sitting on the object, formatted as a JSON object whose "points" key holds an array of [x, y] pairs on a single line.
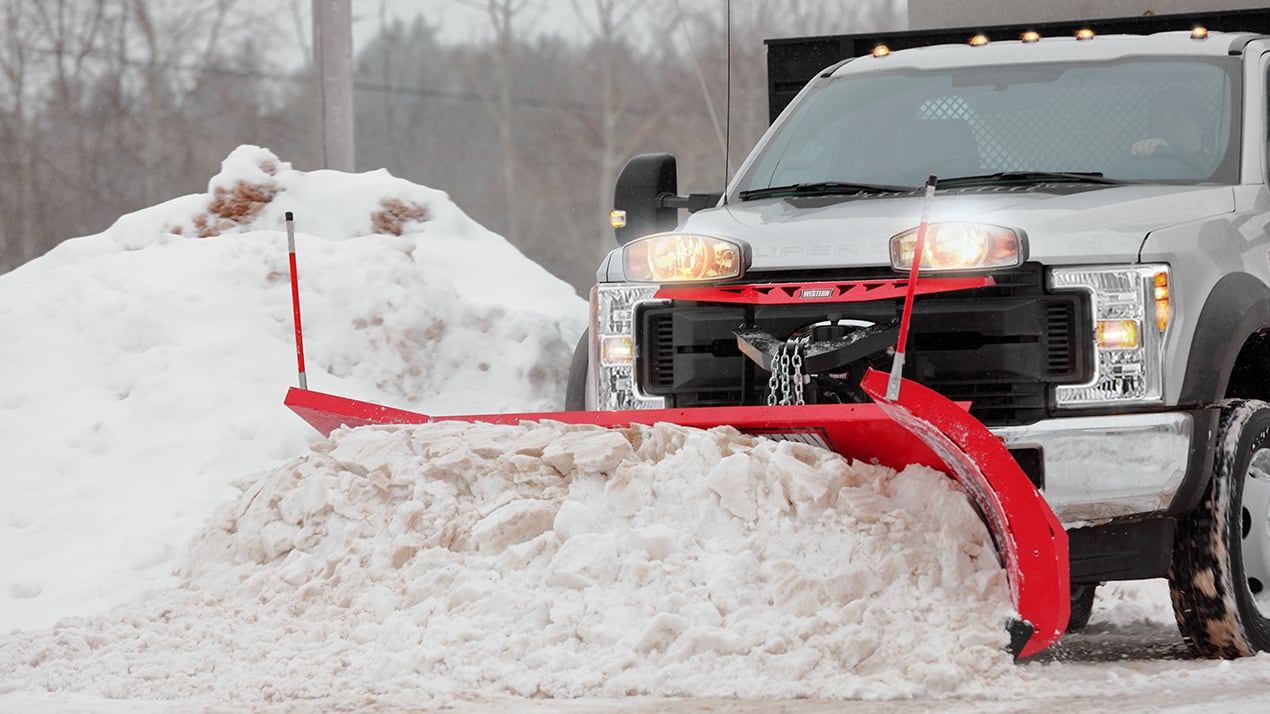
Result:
{"points": [[173, 539]]}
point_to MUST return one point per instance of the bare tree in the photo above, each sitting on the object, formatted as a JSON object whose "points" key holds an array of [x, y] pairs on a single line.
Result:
{"points": [[502, 17], [17, 227], [619, 130], [176, 43], [56, 42], [96, 117]]}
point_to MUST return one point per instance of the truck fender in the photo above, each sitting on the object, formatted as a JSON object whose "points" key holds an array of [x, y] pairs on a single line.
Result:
{"points": [[1237, 308]]}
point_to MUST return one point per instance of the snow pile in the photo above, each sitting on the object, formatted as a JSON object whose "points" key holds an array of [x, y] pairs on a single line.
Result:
{"points": [[453, 559], [145, 367]]}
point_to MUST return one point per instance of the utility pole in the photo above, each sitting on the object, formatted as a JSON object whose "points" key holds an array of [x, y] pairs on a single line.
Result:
{"points": [[333, 60]]}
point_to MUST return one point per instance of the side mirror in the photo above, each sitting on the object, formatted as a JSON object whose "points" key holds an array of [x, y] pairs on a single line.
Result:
{"points": [[642, 187]]}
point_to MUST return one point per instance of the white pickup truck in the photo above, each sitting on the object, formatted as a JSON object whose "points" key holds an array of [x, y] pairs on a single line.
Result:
{"points": [[1107, 199]]}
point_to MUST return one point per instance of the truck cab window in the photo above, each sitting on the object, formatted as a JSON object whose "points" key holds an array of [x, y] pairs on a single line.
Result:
{"points": [[1143, 119]]}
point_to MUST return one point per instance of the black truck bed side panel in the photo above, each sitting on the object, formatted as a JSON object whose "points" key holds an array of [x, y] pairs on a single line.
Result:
{"points": [[792, 62]]}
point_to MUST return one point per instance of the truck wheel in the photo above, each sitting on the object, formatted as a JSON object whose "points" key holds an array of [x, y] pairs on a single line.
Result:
{"points": [[1220, 577], [1082, 606], [575, 389]]}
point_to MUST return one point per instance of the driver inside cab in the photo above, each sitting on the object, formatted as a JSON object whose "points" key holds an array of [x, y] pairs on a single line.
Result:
{"points": [[1175, 131]]}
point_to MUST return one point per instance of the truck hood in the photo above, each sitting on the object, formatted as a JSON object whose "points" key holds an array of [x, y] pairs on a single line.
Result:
{"points": [[1063, 225]]}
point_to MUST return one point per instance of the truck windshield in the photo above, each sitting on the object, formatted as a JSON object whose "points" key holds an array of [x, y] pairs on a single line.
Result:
{"points": [[1145, 119]]}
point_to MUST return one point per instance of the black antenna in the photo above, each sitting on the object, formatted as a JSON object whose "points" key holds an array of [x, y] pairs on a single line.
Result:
{"points": [[727, 111]]}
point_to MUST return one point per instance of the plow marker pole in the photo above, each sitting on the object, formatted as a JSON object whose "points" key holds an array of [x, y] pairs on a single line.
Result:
{"points": [[295, 299], [1030, 540], [901, 346]]}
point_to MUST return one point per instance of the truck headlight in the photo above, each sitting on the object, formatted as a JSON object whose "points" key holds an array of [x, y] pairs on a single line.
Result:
{"points": [[1131, 314], [613, 348], [682, 258], [959, 246]]}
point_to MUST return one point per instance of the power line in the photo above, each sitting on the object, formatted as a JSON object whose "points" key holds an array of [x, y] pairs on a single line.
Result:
{"points": [[358, 85], [470, 96]]}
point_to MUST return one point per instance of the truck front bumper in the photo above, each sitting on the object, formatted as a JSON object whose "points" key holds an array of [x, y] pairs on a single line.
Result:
{"points": [[1100, 469]]}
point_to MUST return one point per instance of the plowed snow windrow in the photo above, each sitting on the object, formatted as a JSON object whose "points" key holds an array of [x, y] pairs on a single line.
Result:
{"points": [[452, 559]]}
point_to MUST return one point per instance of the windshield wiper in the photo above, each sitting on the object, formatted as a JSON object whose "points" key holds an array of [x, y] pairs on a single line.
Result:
{"points": [[1031, 177], [822, 188]]}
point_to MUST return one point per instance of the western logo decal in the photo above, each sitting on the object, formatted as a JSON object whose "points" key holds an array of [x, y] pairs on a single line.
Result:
{"points": [[815, 293]]}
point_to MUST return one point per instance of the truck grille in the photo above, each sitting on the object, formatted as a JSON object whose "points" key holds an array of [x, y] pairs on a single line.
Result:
{"points": [[1000, 348], [662, 352], [1061, 351]]}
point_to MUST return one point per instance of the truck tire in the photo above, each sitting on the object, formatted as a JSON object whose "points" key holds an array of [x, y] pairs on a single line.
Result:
{"points": [[1220, 576], [1082, 606], [575, 388]]}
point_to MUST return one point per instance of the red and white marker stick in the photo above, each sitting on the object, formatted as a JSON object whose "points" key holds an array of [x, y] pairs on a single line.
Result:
{"points": [[295, 299], [897, 367]]}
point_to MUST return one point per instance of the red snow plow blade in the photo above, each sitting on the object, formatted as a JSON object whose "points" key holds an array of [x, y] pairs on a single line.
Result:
{"points": [[905, 424], [922, 427]]}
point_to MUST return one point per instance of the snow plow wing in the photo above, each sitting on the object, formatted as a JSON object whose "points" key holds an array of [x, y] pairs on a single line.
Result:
{"points": [[922, 427]]}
